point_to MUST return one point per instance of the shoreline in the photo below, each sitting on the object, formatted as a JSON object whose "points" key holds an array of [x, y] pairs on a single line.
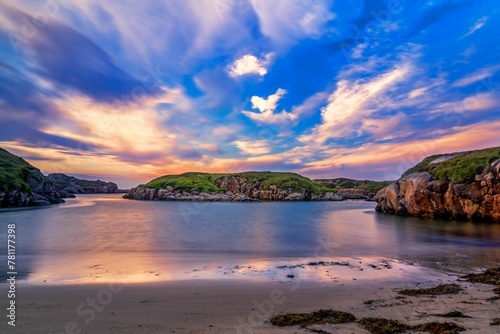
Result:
{"points": [[208, 306], [246, 306]]}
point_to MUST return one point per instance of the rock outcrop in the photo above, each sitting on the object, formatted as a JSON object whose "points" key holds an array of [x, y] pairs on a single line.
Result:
{"points": [[423, 193], [236, 188], [22, 184], [70, 185], [246, 193]]}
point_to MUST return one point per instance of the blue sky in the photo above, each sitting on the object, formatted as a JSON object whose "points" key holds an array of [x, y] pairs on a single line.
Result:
{"points": [[129, 90]]}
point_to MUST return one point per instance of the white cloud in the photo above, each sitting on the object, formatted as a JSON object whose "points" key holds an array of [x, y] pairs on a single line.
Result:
{"points": [[252, 147], [266, 108], [286, 21], [476, 76], [478, 25], [249, 64], [269, 103]]}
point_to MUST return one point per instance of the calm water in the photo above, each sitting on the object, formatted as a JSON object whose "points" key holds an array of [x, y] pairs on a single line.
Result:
{"points": [[101, 237]]}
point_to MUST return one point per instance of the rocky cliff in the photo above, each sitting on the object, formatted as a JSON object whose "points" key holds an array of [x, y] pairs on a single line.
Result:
{"points": [[70, 185], [22, 184], [238, 187], [464, 186]]}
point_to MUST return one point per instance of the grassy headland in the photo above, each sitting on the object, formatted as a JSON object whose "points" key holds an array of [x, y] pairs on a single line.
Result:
{"points": [[459, 167], [15, 171]]}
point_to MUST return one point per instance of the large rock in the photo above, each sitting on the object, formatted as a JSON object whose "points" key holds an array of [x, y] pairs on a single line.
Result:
{"points": [[423, 195]]}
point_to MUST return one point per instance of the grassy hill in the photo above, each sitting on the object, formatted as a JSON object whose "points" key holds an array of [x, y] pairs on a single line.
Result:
{"points": [[208, 182], [344, 183], [15, 171], [459, 167]]}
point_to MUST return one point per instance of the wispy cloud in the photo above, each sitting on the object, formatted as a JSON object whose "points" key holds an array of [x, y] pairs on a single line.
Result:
{"points": [[478, 25], [253, 147], [389, 160], [353, 100], [476, 102], [287, 21], [476, 76]]}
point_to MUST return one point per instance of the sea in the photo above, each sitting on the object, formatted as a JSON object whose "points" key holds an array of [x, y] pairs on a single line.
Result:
{"points": [[100, 238]]}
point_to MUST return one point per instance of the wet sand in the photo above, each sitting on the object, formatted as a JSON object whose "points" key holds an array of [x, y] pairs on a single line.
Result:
{"points": [[245, 306]]}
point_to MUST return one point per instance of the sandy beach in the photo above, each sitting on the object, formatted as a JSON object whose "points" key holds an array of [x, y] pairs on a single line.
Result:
{"points": [[235, 305]]}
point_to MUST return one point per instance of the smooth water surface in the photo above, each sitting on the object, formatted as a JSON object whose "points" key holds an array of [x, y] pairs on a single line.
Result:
{"points": [[102, 237]]}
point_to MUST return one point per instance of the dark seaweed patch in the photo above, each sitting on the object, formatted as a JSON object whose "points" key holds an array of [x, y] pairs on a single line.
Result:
{"points": [[383, 326], [443, 289], [314, 318], [489, 276]]}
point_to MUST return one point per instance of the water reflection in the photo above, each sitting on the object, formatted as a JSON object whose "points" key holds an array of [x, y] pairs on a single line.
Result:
{"points": [[97, 238]]}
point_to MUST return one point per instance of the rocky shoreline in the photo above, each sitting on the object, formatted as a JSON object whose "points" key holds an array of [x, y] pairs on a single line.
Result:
{"points": [[248, 187], [422, 194], [275, 194]]}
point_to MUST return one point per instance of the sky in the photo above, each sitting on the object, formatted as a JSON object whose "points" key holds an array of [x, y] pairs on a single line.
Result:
{"points": [[131, 90]]}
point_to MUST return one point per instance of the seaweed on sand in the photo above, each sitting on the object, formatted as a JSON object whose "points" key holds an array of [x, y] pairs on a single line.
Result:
{"points": [[452, 314], [443, 289], [382, 326], [489, 276], [439, 328], [387, 326], [314, 318]]}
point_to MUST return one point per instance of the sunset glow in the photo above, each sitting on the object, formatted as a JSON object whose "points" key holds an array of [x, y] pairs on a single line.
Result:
{"points": [[128, 91]]}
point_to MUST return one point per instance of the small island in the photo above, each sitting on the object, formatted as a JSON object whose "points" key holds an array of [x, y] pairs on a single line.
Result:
{"points": [[252, 187]]}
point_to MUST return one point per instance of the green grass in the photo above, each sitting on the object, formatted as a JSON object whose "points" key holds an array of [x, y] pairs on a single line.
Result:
{"points": [[462, 168], [376, 185], [344, 183], [207, 182], [14, 172], [186, 182]]}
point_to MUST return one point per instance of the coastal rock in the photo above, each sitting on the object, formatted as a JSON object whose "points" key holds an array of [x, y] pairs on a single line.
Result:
{"points": [[71, 185], [236, 189], [252, 186], [422, 194], [22, 184]]}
